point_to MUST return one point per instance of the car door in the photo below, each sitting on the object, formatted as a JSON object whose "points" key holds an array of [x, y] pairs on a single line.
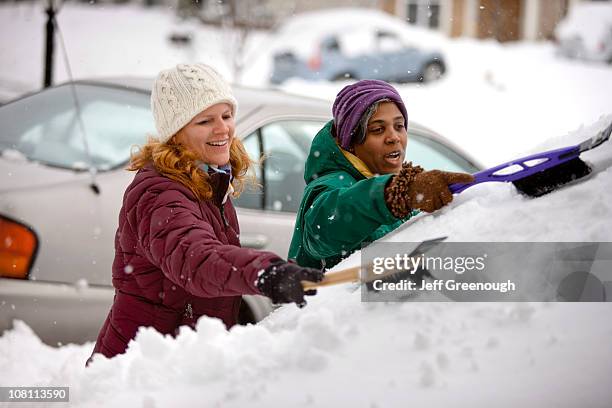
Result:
{"points": [[267, 211]]}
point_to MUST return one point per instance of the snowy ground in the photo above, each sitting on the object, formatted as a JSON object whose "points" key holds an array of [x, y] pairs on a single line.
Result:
{"points": [[340, 352], [497, 101]]}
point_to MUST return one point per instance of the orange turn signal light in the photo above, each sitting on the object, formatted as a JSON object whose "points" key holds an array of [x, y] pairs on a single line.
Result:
{"points": [[18, 245]]}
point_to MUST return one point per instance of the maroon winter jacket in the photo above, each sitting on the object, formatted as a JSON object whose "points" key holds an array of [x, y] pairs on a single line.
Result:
{"points": [[176, 258]]}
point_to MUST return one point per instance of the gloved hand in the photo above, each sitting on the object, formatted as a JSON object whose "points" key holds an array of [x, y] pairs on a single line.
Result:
{"points": [[281, 282], [414, 188]]}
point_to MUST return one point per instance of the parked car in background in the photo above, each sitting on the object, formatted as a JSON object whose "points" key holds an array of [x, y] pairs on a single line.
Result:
{"points": [[586, 32], [325, 45], [378, 55], [63, 178]]}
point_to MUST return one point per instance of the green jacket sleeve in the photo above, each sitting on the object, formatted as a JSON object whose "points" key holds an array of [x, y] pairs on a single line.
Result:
{"points": [[343, 214]]}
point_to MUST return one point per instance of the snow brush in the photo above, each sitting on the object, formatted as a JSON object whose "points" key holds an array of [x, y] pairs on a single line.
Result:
{"points": [[541, 173]]}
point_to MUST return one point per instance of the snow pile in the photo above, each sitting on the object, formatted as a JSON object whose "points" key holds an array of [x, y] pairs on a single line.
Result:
{"points": [[339, 351], [27, 361]]}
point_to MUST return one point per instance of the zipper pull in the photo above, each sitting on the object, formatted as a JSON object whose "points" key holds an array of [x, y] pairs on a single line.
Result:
{"points": [[188, 311], [223, 216]]}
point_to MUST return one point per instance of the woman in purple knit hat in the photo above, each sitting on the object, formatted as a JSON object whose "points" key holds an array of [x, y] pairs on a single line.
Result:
{"points": [[358, 187]]}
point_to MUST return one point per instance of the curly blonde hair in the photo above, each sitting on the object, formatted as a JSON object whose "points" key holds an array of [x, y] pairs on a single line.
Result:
{"points": [[175, 161]]}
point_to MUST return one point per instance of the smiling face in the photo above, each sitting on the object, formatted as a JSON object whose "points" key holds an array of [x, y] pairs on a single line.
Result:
{"points": [[209, 134], [384, 147]]}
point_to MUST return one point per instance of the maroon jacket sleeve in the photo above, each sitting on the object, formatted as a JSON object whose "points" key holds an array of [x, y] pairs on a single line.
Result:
{"points": [[177, 239]]}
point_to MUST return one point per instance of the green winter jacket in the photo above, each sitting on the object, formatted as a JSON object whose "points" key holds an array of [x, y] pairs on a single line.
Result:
{"points": [[340, 209]]}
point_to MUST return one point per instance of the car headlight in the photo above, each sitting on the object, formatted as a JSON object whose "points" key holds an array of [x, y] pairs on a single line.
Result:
{"points": [[18, 246]]}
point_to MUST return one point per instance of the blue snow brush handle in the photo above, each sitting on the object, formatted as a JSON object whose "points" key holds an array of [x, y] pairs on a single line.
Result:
{"points": [[527, 166]]}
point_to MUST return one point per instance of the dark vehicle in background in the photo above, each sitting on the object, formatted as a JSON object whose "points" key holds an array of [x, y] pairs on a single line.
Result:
{"points": [[362, 54]]}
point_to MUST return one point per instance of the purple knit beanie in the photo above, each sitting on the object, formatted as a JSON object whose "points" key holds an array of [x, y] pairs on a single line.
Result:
{"points": [[352, 102]]}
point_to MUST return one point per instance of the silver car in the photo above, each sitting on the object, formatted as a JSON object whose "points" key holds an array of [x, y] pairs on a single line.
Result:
{"points": [[63, 154]]}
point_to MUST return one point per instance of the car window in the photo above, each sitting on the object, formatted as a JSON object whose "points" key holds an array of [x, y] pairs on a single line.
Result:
{"points": [[388, 42], [431, 154], [252, 196], [357, 43], [286, 145], [45, 127], [331, 44]]}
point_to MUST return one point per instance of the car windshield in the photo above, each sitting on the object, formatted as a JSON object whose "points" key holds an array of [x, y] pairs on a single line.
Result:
{"points": [[45, 127], [431, 154]]}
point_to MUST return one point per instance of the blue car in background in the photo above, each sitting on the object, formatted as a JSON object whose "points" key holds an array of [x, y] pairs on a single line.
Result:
{"points": [[357, 55]]}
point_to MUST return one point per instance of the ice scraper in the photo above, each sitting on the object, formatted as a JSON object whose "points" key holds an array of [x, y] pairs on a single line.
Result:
{"points": [[541, 173]]}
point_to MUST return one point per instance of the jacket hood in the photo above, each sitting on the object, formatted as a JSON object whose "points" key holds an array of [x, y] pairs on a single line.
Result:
{"points": [[326, 157]]}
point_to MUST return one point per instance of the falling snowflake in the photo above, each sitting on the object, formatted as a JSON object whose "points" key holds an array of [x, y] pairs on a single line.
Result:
{"points": [[81, 284]]}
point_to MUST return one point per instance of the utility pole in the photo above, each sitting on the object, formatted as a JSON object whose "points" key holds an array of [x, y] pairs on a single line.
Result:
{"points": [[50, 37]]}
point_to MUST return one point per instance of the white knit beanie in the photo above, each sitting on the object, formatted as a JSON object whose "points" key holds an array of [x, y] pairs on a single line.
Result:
{"points": [[180, 93]]}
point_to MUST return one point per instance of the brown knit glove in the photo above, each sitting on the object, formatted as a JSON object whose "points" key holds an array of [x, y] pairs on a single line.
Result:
{"points": [[396, 191], [414, 188]]}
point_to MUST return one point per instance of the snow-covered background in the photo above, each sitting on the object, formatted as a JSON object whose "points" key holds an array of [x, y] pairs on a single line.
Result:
{"points": [[496, 101]]}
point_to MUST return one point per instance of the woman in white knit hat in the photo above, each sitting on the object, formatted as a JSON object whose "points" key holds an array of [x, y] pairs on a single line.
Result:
{"points": [[177, 251]]}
